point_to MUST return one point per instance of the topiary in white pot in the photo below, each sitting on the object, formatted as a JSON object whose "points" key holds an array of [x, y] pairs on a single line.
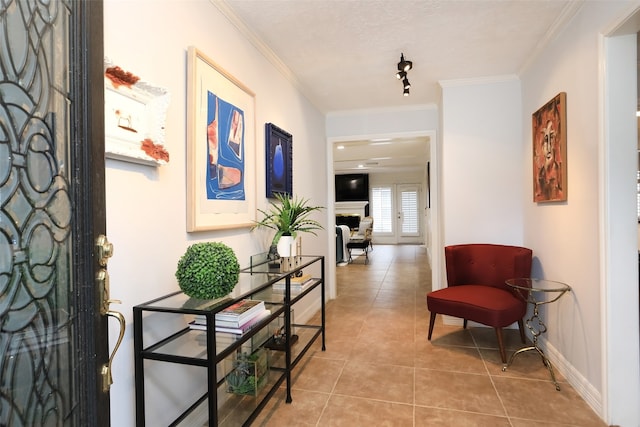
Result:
{"points": [[208, 270]]}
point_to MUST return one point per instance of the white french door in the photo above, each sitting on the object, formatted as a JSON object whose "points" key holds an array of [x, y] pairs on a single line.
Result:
{"points": [[397, 214], [408, 218]]}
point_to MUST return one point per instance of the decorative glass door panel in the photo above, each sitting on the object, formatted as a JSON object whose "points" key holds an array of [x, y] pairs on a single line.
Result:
{"points": [[42, 362]]}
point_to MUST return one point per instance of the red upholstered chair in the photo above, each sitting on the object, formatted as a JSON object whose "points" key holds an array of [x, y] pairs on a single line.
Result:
{"points": [[476, 289]]}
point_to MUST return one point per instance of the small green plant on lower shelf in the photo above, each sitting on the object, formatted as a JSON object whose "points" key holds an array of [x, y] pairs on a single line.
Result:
{"points": [[249, 373]]}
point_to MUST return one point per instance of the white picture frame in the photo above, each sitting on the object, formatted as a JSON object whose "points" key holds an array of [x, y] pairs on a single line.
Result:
{"points": [[135, 116]]}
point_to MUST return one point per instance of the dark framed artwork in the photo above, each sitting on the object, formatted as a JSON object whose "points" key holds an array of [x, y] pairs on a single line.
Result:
{"points": [[549, 125], [279, 157]]}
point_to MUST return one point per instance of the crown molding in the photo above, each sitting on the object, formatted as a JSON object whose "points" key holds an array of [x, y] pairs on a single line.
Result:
{"points": [[264, 49]]}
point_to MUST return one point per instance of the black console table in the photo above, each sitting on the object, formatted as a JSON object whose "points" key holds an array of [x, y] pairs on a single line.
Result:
{"points": [[210, 349]]}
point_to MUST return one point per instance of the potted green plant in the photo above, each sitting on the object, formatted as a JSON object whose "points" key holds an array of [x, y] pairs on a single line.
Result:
{"points": [[248, 373], [208, 270], [289, 216]]}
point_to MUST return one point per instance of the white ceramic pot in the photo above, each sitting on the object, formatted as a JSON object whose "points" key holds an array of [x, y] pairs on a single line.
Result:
{"points": [[286, 246]]}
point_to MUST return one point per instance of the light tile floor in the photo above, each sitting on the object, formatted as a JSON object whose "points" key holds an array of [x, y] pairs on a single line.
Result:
{"points": [[379, 369]]}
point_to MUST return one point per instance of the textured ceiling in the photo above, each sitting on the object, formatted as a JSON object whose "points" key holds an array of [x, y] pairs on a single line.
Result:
{"points": [[343, 54]]}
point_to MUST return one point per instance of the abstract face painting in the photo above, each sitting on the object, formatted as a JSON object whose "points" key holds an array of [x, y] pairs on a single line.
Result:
{"points": [[550, 151]]}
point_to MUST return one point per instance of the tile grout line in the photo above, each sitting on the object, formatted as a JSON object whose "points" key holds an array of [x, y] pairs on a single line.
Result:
{"points": [[493, 384]]}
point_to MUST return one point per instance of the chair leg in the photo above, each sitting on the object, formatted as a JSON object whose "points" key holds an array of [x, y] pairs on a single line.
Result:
{"points": [[432, 321], [503, 353], [521, 327], [464, 323]]}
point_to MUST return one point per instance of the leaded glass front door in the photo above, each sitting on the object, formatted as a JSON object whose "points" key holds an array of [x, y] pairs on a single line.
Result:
{"points": [[53, 338]]}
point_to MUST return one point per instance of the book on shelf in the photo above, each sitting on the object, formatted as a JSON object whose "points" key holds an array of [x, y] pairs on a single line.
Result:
{"points": [[201, 319], [201, 324], [240, 311], [235, 323], [294, 286], [298, 280], [247, 326]]}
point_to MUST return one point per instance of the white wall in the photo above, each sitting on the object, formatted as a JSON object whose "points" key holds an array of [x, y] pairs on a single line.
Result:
{"points": [[566, 236], [146, 211], [345, 125], [482, 158], [619, 287]]}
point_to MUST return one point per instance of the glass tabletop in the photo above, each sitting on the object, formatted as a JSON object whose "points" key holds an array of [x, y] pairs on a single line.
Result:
{"points": [[539, 285]]}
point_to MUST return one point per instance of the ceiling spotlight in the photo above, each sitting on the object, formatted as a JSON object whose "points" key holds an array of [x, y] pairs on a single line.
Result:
{"points": [[404, 65]]}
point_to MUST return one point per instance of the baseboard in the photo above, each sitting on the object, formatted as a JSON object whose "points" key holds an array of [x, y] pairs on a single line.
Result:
{"points": [[580, 384], [452, 321], [456, 321], [305, 315]]}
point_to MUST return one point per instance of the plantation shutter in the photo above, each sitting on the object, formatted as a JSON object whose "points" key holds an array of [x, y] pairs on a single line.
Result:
{"points": [[409, 200], [382, 207]]}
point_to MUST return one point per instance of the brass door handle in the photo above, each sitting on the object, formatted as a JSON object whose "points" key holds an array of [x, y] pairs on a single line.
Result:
{"points": [[104, 251], [107, 378]]}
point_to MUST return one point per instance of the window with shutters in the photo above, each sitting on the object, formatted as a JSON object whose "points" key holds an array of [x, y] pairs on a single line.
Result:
{"points": [[382, 209]]}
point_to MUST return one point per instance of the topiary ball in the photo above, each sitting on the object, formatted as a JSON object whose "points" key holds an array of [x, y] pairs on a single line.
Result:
{"points": [[208, 270]]}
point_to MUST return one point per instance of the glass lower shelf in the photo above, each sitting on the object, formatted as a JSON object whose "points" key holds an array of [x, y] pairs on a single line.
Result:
{"points": [[306, 335], [233, 409]]}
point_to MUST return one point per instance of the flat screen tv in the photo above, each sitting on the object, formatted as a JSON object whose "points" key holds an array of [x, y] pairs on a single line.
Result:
{"points": [[352, 187]]}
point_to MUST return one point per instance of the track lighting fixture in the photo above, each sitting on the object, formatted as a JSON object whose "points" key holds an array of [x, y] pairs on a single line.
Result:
{"points": [[404, 65], [401, 74]]}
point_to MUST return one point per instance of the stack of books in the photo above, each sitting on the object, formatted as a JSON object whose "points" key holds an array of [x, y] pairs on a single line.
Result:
{"points": [[235, 319], [297, 284]]}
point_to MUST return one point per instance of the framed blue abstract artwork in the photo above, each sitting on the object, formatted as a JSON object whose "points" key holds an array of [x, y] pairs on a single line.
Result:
{"points": [[279, 157], [220, 148]]}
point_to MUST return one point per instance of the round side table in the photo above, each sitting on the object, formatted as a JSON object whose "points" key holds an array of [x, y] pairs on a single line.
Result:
{"points": [[535, 292]]}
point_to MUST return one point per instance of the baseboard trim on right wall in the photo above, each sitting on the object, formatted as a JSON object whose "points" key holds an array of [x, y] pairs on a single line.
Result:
{"points": [[580, 384]]}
